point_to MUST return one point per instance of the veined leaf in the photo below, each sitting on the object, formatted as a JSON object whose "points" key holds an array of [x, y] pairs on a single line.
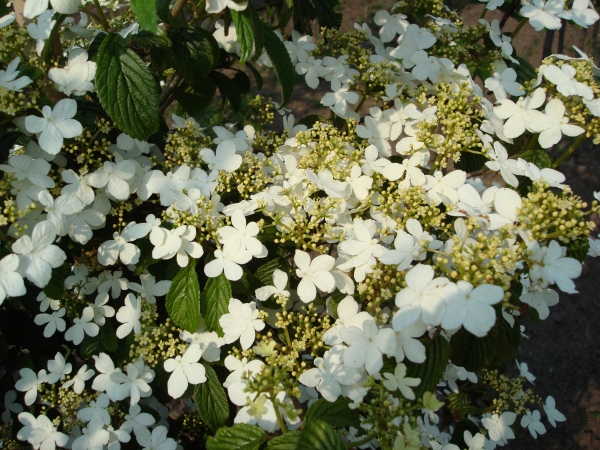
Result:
{"points": [[211, 400], [215, 300], [238, 437], [126, 89], [183, 299], [249, 32], [287, 441], [430, 372], [195, 52], [327, 13], [229, 89], [337, 414], [319, 435], [282, 64]]}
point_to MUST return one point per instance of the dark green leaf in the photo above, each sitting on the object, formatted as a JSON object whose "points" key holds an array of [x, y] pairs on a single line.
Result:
{"points": [[319, 435], [35, 73], [126, 89], [55, 288], [146, 259], [197, 96], [257, 77], [163, 10], [211, 400], [470, 162], [338, 414], [430, 372], [327, 13], [90, 346], [525, 71], [7, 141], [183, 299], [282, 64], [579, 248], [238, 437], [215, 300], [539, 157], [471, 352], [145, 10], [108, 337], [265, 272], [229, 90], [249, 32], [95, 45], [243, 82], [287, 441], [52, 48], [507, 340], [195, 52]]}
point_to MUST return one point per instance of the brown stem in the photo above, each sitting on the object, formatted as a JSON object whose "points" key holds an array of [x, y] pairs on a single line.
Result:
{"points": [[547, 49], [178, 7], [561, 36], [511, 9]]}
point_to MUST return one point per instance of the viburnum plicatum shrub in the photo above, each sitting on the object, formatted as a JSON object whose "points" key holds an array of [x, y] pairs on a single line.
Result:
{"points": [[179, 272]]}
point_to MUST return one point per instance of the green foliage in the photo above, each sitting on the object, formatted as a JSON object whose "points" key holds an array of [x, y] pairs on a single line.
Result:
{"points": [[238, 437], [319, 435], [287, 441], [55, 288], [195, 52], [282, 64], [183, 299], [538, 157], [215, 300], [578, 248], [249, 32], [211, 400], [430, 372], [126, 89], [338, 414], [145, 10]]}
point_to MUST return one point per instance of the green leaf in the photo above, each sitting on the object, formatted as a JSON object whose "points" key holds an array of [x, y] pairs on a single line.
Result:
{"points": [[265, 272], [525, 71], [430, 372], [126, 89], [539, 157], [215, 300], [145, 10], [470, 162], [337, 414], [55, 289], [95, 45], [238, 437], [183, 299], [287, 441], [327, 13], [243, 81], [282, 64], [249, 32], [197, 97], [229, 90], [257, 76], [211, 400], [578, 249], [146, 259], [52, 46], [159, 47], [108, 337], [90, 346], [195, 52], [319, 435], [471, 352]]}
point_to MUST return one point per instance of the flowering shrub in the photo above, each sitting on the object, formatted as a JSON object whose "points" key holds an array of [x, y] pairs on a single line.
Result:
{"points": [[356, 281]]}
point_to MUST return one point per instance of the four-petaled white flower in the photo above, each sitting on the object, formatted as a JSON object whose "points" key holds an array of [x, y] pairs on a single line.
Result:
{"points": [[498, 426], [241, 323], [56, 125], [504, 82], [185, 370], [228, 261], [338, 100], [544, 14], [77, 77], [552, 413], [26, 168], [553, 124], [10, 407], [149, 289], [133, 383], [53, 321], [37, 255], [81, 326], [314, 274], [158, 439], [242, 235], [129, 315], [225, 157], [58, 369], [508, 168], [566, 84], [582, 13], [29, 383], [399, 381], [8, 77], [348, 316], [119, 247], [531, 421], [280, 280], [519, 114], [114, 177], [367, 346], [551, 266], [11, 281], [78, 381]]}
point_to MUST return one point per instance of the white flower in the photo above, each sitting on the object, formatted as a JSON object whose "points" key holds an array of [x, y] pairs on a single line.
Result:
{"points": [[492, 5], [241, 323], [118, 248], [29, 383], [77, 76], [360, 184], [399, 381], [8, 77], [582, 13], [11, 281], [158, 440], [408, 345], [566, 84], [10, 407], [531, 421], [338, 100], [82, 326], [540, 299], [45, 436], [56, 125], [299, 47], [78, 381], [208, 343], [129, 315], [423, 297], [114, 177], [134, 384], [242, 235], [553, 414], [376, 131], [96, 409], [136, 420], [500, 162], [471, 307], [367, 346], [315, 274], [240, 367], [58, 369], [77, 185], [149, 288], [34, 8], [54, 322], [311, 68], [324, 181], [25, 168], [498, 426], [329, 373], [280, 280], [111, 281], [94, 436], [524, 371], [41, 31], [544, 14], [103, 382], [37, 254], [519, 114], [442, 188], [391, 25], [186, 369], [553, 267], [227, 261], [362, 249], [60, 210], [348, 316], [216, 6], [475, 442], [155, 182], [415, 38], [504, 82], [553, 124], [225, 158]]}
